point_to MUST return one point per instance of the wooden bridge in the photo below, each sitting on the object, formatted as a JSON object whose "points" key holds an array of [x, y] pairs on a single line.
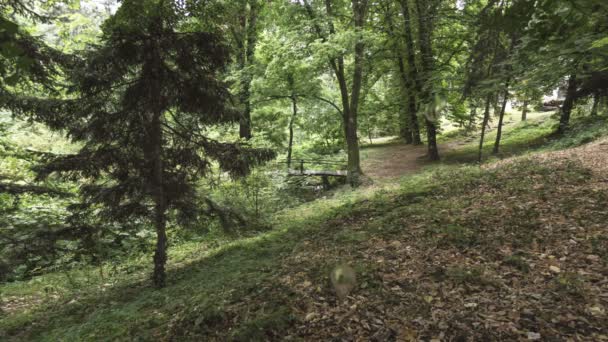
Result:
{"points": [[324, 174]]}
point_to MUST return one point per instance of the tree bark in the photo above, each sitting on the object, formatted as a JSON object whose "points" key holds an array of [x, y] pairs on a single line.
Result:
{"points": [[160, 208], [294, 103], [424, 37], [154, 154], [413, 76], [472, 116], [524, 110], [596, 102], [404, 130], [354, 166], [566, 110], [501, 118], [251, 38], [486, 118]]}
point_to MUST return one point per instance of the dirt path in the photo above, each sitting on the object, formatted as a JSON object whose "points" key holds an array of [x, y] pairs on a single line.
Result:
{"points": [[393, 160]]}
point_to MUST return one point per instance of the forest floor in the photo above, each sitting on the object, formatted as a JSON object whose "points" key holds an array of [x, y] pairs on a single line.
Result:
{"points": [[393, 160], [514, 250], [388, 159]]}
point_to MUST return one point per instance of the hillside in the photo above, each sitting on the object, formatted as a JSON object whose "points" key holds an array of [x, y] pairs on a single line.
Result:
{"points": [[310, 170], [515, 249]]}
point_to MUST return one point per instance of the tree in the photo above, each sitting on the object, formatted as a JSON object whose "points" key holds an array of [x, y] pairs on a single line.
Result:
{"points": [[571, 36], [286, 76], [138, 103], [243, 16], [409, 130], [425, 16], [349, 96]]}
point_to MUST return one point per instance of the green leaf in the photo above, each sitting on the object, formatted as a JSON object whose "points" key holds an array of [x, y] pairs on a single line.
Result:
{"points": [[600, 43]]}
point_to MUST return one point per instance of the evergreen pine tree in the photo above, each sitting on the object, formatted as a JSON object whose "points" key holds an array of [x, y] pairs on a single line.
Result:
{"points": [[138, 103]]}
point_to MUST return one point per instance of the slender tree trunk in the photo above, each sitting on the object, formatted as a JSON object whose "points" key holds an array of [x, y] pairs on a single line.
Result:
{"points": [[413, 76], [354, 165], [524, 110], [160, 208], [501, 118], [486, 117], [405, 123], [294, 102], [424, 37], [472, 116], [404, 129], [566, 110], [350, 103], [411, 103], [251, 38], [495, 105], [369, 128], [245, 121], [154, 154], [596, 102]]}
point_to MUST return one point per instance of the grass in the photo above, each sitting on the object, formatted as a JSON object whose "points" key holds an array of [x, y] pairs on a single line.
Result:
{"points": [[212, 288], [534, 135], [80, 304], [207, 286]]}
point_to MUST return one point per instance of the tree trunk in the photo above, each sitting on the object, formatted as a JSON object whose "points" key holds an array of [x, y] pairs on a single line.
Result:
{"points": [[413, 76], [501, 118], [424, 37], [472, 116], [160, 207], [154, 154], [405, 124], [404, 129], [251, 38], [566, 110], [486, 117], [495, 105], [291, 122], [596, 102], [431, 135], [354, 165], [369, 129], [524, 110], [245, 120]]}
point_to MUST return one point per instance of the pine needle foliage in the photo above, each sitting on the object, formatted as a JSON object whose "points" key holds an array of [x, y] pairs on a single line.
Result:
{"points": [[138, 103]]}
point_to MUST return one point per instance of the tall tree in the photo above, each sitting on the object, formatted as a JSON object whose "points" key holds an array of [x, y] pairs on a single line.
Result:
{"points": [[350, 96], [413, 85], [244, 30], [400, 39], [138, 103], [426, 12]]}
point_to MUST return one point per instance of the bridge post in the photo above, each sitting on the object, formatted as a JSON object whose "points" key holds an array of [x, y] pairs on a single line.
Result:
{"points": [[302, 166], [326, 185]]}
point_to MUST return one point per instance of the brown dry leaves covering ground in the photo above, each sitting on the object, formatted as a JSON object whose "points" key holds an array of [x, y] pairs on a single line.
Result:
{"points": [[517, 256]]}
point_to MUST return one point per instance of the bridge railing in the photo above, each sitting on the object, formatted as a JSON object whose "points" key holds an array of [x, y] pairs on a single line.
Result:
{"points": [[315, 163]]}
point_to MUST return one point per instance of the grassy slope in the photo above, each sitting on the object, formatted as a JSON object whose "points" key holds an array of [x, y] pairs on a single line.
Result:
{"points": [[535, 134], [460, 251]]}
